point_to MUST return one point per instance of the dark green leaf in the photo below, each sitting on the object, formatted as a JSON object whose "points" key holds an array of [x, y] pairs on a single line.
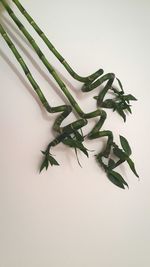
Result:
{"points": [[75, 144], [52, 160], [129, 97], [129, 109], [125, 145], [111, 164], [78, 136], [120, 84], [44, 164], [132, 166], [108, 103], [121, 113], [117, 179], [119, 153]]}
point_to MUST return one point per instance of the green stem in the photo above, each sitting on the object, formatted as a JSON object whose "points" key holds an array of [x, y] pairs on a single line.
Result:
{"points": [[53, 49], [90, 86], [65, 109], [49, 66], [90, 81]]}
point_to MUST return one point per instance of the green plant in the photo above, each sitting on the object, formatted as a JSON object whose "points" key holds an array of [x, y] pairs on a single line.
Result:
{"points": [[71, 135]]}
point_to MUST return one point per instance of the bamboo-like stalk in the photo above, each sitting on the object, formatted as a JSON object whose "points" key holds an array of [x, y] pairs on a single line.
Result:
{"points": [[91, 82], [87, 79], [49, 67], [64, 109], [98, 112]]}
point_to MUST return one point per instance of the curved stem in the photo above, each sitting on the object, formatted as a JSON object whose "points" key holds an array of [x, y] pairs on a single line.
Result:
{"points": [[49, 66], [65, 109], [90, 86]]}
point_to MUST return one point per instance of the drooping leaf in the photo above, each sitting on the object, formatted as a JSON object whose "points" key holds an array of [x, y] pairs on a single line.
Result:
{"points": [[117, 179], [132, 166], [75, 144], [121, 113], [125, 145]]}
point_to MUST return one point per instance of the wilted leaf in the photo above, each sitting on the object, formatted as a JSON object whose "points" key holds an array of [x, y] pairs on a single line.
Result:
{"points": [[125, 145]]}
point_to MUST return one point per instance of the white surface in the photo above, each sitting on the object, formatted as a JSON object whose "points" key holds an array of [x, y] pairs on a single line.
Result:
{"points": [[68, 216]]}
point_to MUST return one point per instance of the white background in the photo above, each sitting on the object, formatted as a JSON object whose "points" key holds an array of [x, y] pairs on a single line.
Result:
{"points": [[71, 216]]}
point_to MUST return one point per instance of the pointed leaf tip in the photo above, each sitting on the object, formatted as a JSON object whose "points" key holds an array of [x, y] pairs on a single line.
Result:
{"points": [[125, 145], [132, 167], [117, 179], [52, 161], [130, 98], [44, 165]]}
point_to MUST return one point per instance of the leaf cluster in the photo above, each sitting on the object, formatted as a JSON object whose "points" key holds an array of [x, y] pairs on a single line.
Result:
{"points": [[123, 155], [48, 160]]}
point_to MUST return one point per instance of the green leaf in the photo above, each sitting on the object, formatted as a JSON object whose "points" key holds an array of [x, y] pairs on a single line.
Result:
{"points": [[125, 145], [120, 111], [132, 166], [117, 179], [78, 136], [108, 103], [75, 144], [120, 84], [120, 153], [47, 159], [129, 109], [51, 160], [111, 164], [129, 97], [44, 164]]}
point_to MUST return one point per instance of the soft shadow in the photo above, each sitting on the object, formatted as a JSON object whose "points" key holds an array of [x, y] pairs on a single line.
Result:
{"points": [[25, 83], [37, 67], [79, 94], [15, 30]]}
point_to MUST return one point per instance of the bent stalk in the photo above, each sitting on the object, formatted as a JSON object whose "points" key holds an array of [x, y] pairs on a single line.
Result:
{"points": [[69, 134]]}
